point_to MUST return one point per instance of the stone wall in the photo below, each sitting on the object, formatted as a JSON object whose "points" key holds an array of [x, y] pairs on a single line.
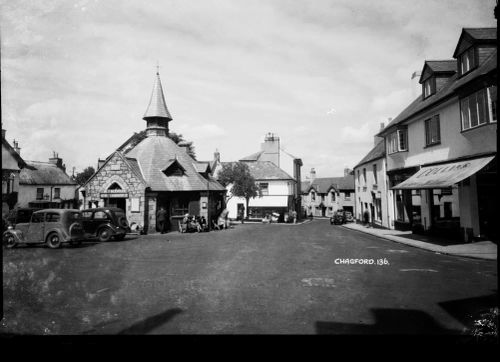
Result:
{"points": [[117, 171]]}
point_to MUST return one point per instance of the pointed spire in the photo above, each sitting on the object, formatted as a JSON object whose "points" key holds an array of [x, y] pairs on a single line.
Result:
{"points": [[157, 107]]}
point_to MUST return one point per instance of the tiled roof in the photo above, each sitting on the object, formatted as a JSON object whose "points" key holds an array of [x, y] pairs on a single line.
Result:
{"points": [[43, 173], [447, 91], [323, 184], [157, 106], [153, 154], [438, 66], [265, 170], [375, 153]]}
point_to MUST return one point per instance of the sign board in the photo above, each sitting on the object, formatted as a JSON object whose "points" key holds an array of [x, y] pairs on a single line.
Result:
{"points": [[110, 195]]}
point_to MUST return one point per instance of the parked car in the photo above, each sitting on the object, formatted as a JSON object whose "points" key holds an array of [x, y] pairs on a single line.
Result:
{"points": [[105, 223], [50, 226], [338, 217]]}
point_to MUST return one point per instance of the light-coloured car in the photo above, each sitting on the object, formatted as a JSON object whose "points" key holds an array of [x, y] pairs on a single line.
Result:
{"points": [[50, 226]]}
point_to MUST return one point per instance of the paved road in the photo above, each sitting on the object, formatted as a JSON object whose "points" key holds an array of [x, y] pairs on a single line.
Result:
{"points": [[250, 279]]}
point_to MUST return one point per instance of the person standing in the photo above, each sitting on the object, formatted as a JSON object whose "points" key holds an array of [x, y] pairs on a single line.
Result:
{"points": [[294, 216], [242, 213], [161, 218]]}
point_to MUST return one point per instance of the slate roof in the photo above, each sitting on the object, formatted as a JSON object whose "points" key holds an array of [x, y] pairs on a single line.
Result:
{"points": [[265, 170], [43, 173], [482, 35], [448, 90], [375, 153], [157, 106], [153, 154], [442, 66], [323, 184]]}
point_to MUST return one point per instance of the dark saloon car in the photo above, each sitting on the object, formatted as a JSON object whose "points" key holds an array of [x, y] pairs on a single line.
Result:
{"points": [[50, 226], [105, 223], [338, 218], [20, 215]]}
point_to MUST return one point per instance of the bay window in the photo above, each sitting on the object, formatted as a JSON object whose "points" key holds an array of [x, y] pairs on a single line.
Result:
{"points": [[478, 108]]}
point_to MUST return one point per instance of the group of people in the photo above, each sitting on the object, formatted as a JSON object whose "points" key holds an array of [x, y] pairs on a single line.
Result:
{"points": [[195, 223]]}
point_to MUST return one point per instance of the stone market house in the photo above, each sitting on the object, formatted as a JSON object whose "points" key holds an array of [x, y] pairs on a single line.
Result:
{"points": [[441, 150], [46, 185], [150, 171], [323, 196], [12, 163]]}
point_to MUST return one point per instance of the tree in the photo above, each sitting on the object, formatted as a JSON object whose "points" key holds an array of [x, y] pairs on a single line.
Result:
{"points": [[179, 139], [237, 174], [83, 176]]}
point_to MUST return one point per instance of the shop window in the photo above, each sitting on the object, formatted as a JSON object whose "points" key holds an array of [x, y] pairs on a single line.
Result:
{"points": [[180, 207]]}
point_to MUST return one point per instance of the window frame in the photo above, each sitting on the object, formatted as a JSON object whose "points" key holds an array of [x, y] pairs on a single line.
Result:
{"points": [[395, 138], [483, 104], [57, 192], [431, 83], [428, 125], [264, 190], [470, 55], [375, 177], [38, 193]]}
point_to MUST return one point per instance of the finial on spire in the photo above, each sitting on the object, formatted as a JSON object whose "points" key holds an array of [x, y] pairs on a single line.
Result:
{"points": [[157, 67]]}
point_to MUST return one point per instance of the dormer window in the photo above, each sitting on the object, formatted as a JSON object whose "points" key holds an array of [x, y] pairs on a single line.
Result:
{"points": [[174, 168], [467, 61], [429, 87]]}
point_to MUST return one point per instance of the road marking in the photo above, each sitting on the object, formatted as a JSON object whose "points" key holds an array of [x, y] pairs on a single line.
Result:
{"points": [[424, 270], [319, 282], [396, 251]]}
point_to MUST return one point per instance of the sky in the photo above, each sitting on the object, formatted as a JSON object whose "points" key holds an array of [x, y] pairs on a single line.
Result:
{"points": [[76, 76]]}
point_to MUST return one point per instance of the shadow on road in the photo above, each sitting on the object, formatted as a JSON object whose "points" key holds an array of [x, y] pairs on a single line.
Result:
{"points": [[391, 322], [148, 324]]}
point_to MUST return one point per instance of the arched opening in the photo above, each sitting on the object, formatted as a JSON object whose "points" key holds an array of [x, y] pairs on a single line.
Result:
{"points": [[114, 186]]}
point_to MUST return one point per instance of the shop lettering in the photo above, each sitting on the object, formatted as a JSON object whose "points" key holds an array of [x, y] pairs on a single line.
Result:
{"points": [[436, 170]]}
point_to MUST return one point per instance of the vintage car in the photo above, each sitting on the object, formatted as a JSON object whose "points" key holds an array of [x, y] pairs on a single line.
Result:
{"points": [[349, 217], [50, 226], [20, 215], [105, 223], [338, 218]]}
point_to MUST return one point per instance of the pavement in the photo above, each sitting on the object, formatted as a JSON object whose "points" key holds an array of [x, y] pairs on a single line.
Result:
{"points": [[480, 250]]}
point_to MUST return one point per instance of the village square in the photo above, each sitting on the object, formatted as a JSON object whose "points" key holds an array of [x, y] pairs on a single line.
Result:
{"points": [[154, 237]]}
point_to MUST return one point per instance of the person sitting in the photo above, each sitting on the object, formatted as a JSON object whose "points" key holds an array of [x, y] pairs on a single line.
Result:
{"points": [[203, 223]]}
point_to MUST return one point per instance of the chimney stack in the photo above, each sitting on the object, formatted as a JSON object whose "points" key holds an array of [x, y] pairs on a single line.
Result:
{"points": [[216, 155], [55, 160], [312, 175], [377, 139], [271, 149], [416, 87], [16, 147]]}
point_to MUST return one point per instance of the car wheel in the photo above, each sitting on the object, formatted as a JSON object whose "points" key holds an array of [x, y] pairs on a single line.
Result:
{"points": [[104, 235], [9, 241], [53, 240]]}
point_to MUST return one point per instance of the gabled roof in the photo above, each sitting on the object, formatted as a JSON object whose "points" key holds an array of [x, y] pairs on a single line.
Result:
{"points": [[375, 153], [173, 163], [202, 166], [447, 91], [20, 162], [476, 35], [43, 173], [265, 170], [157, 106], [153, 153], [439, 67], [323, 184]]}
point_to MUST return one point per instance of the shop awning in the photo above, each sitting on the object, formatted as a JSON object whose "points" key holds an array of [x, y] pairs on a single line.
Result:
{"points": [[444, 175]]}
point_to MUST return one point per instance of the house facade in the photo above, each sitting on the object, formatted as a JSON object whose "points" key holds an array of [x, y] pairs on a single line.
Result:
{"points": [[46, 185], [277, 190], [370, 181], [323, 196], [12, 164], [149, 171], [441, 150]]}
